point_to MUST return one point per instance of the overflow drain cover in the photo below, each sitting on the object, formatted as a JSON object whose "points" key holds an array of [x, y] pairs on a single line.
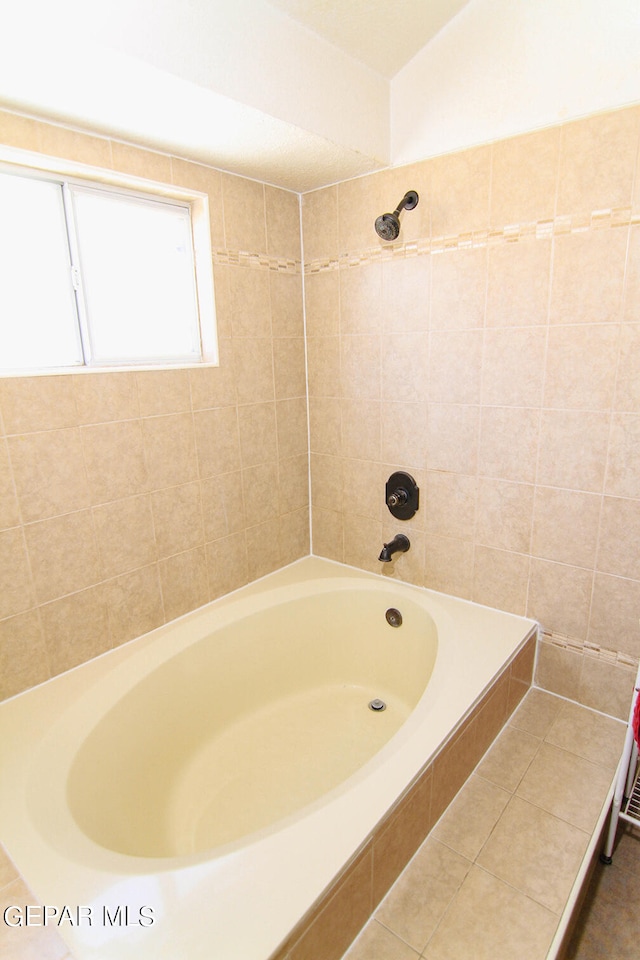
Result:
{"points": [[377, 705]]}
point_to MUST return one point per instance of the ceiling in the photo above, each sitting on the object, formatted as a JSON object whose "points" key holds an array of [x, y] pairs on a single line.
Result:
{"points": [[368, 30]]}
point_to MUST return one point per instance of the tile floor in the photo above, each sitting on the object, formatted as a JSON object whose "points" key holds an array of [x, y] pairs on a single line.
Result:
{"points": [[609, 924], [492, 878]]}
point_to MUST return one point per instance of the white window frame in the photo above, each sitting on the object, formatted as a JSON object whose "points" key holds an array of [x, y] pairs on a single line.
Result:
{"points": [[28, 164]]}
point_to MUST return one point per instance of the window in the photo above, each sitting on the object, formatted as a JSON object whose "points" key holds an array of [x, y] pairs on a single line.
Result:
{"points": [[95, 276]]}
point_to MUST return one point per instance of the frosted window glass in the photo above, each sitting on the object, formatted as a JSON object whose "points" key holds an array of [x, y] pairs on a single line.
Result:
{"points": [[137, 269], [38, 326]]}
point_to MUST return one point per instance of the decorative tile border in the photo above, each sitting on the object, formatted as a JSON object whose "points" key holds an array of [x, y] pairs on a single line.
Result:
{"points": [[511, 233], [585, 648], [260, 261]]}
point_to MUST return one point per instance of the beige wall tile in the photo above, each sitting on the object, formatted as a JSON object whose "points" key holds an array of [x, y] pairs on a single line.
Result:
{"points": [[222, 508], [141, 163], [60, 141], [244, 214], [37, 403], [263, 548], [17, 593], [558, 669], [458, 289], [627, 393], [508, 447], [49, 473], [404, 434], [504, 515], [170, 449], [163, 392], [361, 307], [214, 386], [178, 518], [294, 536], [519, 276], [227, 564], [597, 161], [18, 131], [588, 274], [184, 582], [260, 491], [253, 368], [326, 430], [513, 366], [293, 486], [258, 435], [606, 687], [449, 565], [217, 441], [523, 178], [565, 526], [460, 192], [114, 460], [404, 365], [623, 462], [322, 303], [573, 449], [452, 438], [500, 579], [63, 555], [560, 597], [455, 366], [66, 646], [327, 533], [289, 367], [406, 286], [581, 366], [613, 623], [249, 302], [103, 396], [291, 422], [360, 202], [323, 366], [283, 223], [125, 535], [23, 654], [135, 604], [360, 366], [287, 316], [320, 224], [9, 514], [617, 544]]}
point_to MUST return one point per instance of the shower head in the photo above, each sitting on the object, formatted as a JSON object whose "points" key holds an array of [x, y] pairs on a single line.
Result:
{"points": [[388, 224]]}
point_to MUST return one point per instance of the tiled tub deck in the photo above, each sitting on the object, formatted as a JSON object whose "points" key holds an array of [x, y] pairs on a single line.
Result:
{"points": [[495, 874]]}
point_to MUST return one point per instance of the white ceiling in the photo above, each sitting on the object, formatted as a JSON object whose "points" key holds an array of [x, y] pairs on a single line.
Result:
{"points": [[383, 34]]}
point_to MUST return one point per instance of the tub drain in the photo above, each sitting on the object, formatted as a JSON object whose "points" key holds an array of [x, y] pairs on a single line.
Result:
{"points": [[377, 705]]}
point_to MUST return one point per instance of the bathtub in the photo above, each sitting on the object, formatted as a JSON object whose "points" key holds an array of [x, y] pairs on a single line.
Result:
{"points": [[196, 792]]}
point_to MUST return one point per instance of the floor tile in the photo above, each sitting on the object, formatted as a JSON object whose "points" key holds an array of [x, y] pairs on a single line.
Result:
{"points": [[508, 759], [535, 852], [377, 943], [489, 920], [537, 712], [565, 785], [421, 895], [471, 817], [588, 734]]}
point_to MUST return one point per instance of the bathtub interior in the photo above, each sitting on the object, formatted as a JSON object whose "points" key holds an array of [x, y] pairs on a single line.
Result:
{"points": [[251, 723]]}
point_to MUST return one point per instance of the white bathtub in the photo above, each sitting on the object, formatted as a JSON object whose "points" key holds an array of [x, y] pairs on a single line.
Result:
{"points": [[214, 776]]}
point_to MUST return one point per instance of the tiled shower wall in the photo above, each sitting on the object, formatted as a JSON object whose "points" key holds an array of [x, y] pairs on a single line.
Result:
{"points": [[493, 351], [127, 499]]}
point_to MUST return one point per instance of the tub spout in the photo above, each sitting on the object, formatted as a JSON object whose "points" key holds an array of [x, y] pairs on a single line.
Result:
{"points": [[399, 544]]}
